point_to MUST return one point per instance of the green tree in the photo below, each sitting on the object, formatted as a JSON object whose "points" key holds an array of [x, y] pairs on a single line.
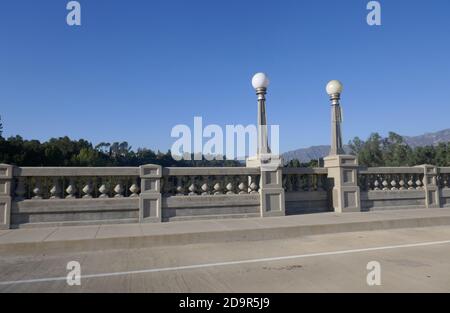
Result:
{"points": [[395, 151], [66, 152], [424, 155], [88, 157], [442, 157], [369, 152]]}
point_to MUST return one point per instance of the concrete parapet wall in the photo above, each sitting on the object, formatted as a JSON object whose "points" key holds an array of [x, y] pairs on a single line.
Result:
{"points": [[36, 196], [307, 202], [383, 200], [445, 197], [74, 211], [178, 207]]}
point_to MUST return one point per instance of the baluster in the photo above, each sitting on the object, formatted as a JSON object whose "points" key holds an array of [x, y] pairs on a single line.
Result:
{"points": [[385, 184], [253, 185], [134, 188], [205, 186], [368, 182], [410, 183], [55, 191], [103, 189], [445, 181], [293, 183], [180, 186], [320, 186], [394, 185], [37, 190], [218, 186], [298, 183], [419, 184], [243, 187], [305, 182], [71, 190], [402, 184], [301, 182], [192, 188], [376, 184], [310, 183], [439, 181], [20, 189], [87, 190], [118, 190], [230, 188], [289, 184]]}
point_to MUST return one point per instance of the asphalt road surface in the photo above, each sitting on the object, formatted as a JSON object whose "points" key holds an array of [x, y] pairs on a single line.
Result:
{"points": [[411, 260]]}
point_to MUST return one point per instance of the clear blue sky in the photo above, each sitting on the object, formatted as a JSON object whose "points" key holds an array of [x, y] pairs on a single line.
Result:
{"points": [[134, 69]]}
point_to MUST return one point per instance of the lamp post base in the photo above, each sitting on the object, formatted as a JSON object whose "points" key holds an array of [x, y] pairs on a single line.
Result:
{"points": [[343, 170]]}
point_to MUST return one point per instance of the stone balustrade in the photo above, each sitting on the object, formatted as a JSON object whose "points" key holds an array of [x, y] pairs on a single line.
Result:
{"points": [[443, 182], [37, 196], [198, 193], [73, 183], [444, 177], [304, 179], [210, 181], [423, 186], [306, 190], [391, 179]]}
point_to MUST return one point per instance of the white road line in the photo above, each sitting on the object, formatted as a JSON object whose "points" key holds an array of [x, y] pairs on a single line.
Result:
{"points": [[188, 267]]}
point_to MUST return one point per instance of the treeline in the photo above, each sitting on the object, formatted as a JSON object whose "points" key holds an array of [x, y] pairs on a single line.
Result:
{"points": [[393, 151], [66, 152], [312, 163], [374, 152]]}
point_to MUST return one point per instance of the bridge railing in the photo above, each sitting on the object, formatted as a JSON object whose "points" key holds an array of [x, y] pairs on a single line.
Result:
{"points": [[208, 181], [47, 196], [42, 196], [444, 185], [444, 177], [307, 190], [205, 192], [41, 183], [384, 188], [391, 178]]}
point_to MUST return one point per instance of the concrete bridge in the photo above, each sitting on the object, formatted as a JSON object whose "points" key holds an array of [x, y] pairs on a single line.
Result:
{"points": [[32, 197], [264, 188], [237, 211]]}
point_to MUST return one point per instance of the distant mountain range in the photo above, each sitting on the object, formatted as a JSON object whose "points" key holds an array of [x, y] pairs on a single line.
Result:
{"points": [[316, 152]]}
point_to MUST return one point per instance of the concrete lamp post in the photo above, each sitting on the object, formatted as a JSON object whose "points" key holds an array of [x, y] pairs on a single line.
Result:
{"points": [[260, 82], [334, 89], [342, 168], [264, 156], [271, 192]]}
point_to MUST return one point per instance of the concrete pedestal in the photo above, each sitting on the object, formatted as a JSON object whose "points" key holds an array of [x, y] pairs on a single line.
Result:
{"points": [[272, 202], [272, 193], [343, 169], [430, 184], [150, 199], [5, 195]]}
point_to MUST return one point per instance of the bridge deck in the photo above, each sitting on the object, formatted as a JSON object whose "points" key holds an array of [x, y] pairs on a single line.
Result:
{"points": [[123, 236]]}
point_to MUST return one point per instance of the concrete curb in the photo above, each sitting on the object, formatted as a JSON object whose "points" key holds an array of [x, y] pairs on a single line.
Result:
{"points": [[250, 234]]}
